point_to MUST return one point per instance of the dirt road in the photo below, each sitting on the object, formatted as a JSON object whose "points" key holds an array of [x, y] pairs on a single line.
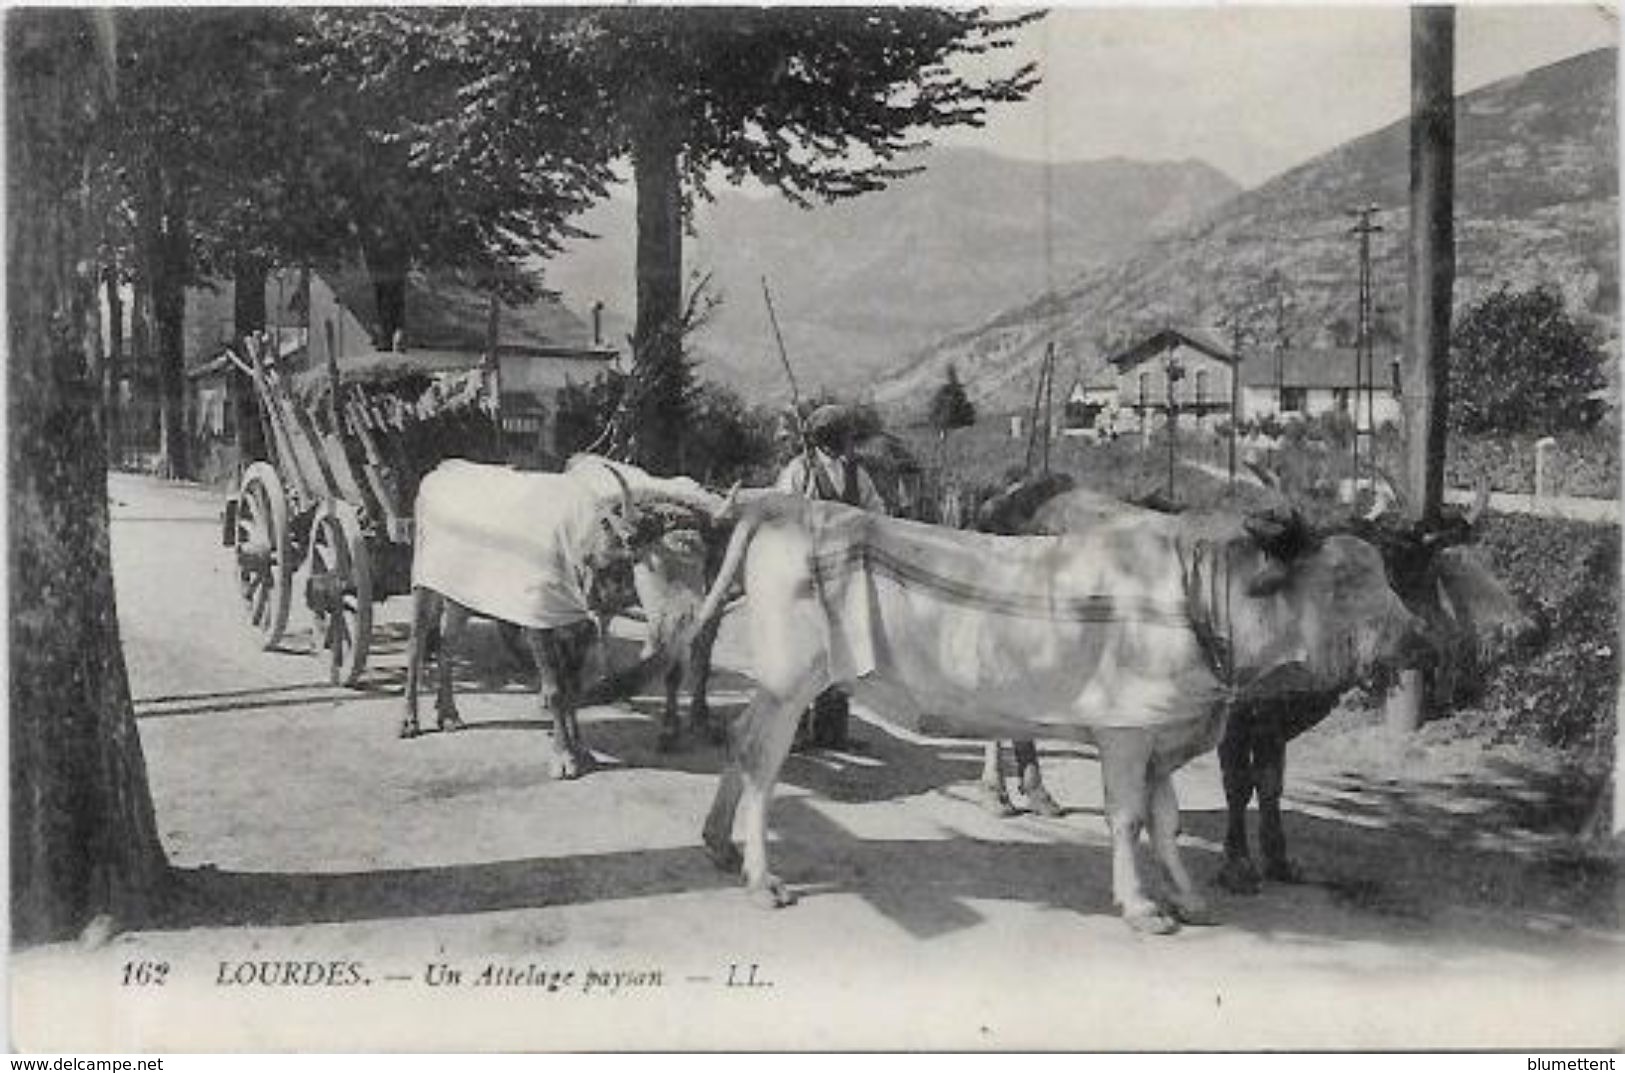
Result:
{"points": [[344, 889]]}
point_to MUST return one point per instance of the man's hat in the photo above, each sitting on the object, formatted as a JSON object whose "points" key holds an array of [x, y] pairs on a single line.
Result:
{"points": [[826, 424]]}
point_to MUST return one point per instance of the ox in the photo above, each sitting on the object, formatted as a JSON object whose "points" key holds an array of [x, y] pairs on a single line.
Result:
{"points": [[546, 553], [1470, 618], [663, 588], [1137, 636]]}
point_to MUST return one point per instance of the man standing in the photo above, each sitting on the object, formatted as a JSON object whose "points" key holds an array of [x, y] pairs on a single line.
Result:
{"points": [[828, 469]]}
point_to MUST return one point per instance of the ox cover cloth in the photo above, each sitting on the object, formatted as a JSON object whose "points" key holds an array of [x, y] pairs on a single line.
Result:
{"points": [[506, 543], [960, 633]]}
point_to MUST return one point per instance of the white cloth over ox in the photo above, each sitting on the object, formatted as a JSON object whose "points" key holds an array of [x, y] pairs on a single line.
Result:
{"points": [[960, 633], [507, 543]]}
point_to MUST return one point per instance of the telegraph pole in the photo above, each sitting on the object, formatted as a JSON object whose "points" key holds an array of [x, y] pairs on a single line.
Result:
{"points": [[1364, 373]]}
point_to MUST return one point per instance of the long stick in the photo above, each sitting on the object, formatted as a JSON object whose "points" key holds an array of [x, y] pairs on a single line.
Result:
{"points": [[795, 390], [778, 337]]}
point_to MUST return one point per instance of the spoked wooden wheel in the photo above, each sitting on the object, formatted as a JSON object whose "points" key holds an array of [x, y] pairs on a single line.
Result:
{"points": [[260, 542], [339, 591]]}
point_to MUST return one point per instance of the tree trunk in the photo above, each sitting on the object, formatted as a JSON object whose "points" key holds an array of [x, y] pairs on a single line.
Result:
{"points": [[248, 295], [658, 337], [115, 368], [388, 264], [83, 838], [169, 311], [1430, 279]]}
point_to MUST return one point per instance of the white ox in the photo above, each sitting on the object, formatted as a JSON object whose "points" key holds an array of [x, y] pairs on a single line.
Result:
{"points": [[550, 553], [1138, 635]]}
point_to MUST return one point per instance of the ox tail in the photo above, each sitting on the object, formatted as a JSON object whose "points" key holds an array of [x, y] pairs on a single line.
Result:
{"points": [[727, 574]]}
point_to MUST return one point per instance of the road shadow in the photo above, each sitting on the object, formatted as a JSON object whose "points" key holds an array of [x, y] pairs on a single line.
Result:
{"points": [[207, 897]]}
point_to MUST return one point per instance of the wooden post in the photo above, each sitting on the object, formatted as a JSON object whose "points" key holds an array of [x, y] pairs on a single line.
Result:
{"points": [[1430, 279], [1430, 263]]}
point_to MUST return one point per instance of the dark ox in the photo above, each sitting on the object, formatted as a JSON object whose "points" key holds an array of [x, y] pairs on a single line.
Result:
{"points": [[1137, 636], [1471, 621], [548, 555]]}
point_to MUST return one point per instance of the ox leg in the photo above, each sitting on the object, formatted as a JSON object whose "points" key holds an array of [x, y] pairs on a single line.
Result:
{"points": [[1032, 780], [452, 624], [559, 655], [1189, 905], [1269, 775], [1125, 757], [700, 719], [719, 822], [426, 611], [764, 734], [990, 792], [671, 728], [1238, 874]]}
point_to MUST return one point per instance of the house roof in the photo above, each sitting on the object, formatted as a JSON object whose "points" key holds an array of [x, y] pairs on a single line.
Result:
{"points": [[443, 313], [1167, 339], [1326, 367]]}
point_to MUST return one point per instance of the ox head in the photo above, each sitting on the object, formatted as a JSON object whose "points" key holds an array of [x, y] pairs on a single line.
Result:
{"points": [[1302, 612], [1472, 619], [653, 540]]}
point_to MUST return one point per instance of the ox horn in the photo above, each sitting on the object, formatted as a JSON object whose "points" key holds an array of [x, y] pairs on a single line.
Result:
{"points": [[627, 509]]}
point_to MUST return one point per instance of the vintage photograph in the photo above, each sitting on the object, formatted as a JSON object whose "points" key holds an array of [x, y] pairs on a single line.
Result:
{"points": [[807, 528]]}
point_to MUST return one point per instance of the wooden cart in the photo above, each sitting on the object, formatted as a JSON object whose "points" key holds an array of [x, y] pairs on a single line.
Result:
{"points": [[333, 495]]}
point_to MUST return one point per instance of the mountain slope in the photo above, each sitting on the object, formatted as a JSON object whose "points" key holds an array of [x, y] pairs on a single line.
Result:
{"points": [[1537, 200], [860, 283]]}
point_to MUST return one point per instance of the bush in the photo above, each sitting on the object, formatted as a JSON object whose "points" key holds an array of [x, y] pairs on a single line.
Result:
{"points": [[1520, 364], [1563, 693]]}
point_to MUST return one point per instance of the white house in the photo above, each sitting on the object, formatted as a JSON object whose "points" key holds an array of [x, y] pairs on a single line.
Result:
{"points": [[1179, 368], [1297, 383], [1131, 393]]}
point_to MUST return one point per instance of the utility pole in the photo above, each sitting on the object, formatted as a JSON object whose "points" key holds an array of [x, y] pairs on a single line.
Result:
{"points": [[1430, 271], [1431, 260], [1363, 229]]}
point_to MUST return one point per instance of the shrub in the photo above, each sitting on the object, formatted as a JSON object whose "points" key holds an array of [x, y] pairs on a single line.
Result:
{"points": [[1520, 363], [1563, 692]]}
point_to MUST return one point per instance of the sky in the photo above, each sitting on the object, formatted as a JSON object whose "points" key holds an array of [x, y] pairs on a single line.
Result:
{"points": [[1251, 90]]}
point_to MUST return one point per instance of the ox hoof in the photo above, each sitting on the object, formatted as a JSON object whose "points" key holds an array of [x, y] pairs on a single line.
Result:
{"points": [[994, 801], [1042, 804], [1151, 921], [724, 854], [409, 730], [1239, 876], [451, 722], [1284, 871], [770, 893], [1194, 912]]}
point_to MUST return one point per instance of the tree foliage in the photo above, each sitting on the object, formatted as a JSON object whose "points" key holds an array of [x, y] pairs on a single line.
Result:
{"points": [[1520, 363], [951, 408], [817, 103]]}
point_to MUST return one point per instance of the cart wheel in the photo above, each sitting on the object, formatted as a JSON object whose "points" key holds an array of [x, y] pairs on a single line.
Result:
{"points": [[339, 592], [260, 542]]}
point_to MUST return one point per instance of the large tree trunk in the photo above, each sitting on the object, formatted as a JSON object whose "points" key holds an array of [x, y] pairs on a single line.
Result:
{"points": [[83, 838], [659, 395], [1430, 280]]}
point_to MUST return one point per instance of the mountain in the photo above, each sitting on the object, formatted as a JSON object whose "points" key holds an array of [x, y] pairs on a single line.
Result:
{"points": [[863, 282], [1537, 200]]}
